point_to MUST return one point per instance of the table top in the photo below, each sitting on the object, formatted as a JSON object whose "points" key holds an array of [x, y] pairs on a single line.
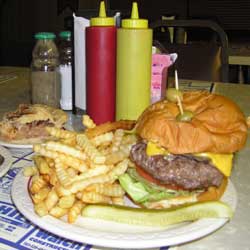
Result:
{"points": [[234, 235], [15, 88], [239, 54]]}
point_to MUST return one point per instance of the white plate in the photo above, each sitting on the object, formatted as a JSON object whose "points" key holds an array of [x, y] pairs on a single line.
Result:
{"points": [[116, 235], [15, 145], [5, 166]]}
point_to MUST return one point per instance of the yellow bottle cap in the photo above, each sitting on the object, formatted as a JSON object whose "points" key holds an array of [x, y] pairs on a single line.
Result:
{"points": [[102, 20], [135, 21]]}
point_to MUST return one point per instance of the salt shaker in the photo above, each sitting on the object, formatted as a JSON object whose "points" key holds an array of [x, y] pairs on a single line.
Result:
{"points": [[65, 68]]}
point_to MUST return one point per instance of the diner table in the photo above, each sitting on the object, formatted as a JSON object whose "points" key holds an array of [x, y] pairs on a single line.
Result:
{"points": [[15, 89], [239, 55]]}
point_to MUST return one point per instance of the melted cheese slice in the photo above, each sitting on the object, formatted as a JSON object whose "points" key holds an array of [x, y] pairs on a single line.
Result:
{"points": [[223, 162], [153, 149]]}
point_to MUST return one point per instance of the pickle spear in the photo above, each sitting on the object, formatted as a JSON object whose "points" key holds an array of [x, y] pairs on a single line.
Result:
{"points": [[159, 217]]}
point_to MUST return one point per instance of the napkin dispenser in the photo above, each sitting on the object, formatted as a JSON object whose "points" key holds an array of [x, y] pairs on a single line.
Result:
{"points": [[79, 69]]}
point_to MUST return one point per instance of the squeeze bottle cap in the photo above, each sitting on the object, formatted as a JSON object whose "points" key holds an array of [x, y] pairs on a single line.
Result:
{"points": [[135, 21], [102, 20]]}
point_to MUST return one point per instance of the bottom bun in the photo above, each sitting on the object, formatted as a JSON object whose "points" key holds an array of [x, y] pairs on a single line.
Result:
{"points": [[211, 194]]}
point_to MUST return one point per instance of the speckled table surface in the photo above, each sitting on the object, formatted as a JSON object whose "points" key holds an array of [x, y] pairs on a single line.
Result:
{"points": [[15, 88], [236, 233]]}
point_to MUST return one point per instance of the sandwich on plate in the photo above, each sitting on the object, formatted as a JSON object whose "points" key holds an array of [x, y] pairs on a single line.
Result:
{"points": [[184, 161], [27, 124]]}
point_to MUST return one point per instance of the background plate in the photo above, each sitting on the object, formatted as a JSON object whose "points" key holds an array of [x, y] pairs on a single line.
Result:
{"points": [[116, 235], [14, 145], [6, 164]]}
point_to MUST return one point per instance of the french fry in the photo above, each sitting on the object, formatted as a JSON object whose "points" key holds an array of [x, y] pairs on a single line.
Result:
{"points": [[105, 139], [109, 126], [53, 180], [46, 178], [50, 162], [60, 133], [61, 191], [37, 183], [112, 190], [58, 212], [66, 159], [73, 162], [98, 170], [80, 168], [104, 151], [66, 201], [90, 149], [30, 171], [88, 122], [116, 157], [40, 195], [110, 177], [74, 211], [93, 197], [65, 149], [119, 169], [129, 139], [78, 195], [62, 174], [41, 209], [72, 172], [41, 164], [69, 141], [118, 135], [51, 199], [82, 184], [126, 149]]}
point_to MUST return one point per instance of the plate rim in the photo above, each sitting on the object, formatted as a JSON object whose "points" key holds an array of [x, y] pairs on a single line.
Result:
{"points": [[7, 163], [48, 223], [15, 145]]}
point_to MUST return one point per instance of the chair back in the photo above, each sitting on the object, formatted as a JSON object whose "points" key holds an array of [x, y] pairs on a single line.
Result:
{"points": [[206, 60]]}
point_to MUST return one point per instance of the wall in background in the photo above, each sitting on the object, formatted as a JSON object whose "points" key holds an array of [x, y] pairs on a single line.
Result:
{"points": [[21, 19]]}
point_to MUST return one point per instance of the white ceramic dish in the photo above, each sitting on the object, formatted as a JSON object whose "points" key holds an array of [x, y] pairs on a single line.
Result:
{"points": [[14, 145], [27, 146], [6, 164], [116, 235]]}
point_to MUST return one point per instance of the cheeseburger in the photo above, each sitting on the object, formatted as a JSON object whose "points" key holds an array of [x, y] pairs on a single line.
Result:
{"points": [[181, 162]]}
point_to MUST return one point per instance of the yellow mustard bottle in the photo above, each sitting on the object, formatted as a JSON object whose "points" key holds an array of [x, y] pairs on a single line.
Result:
{"points": [[133, 66]]}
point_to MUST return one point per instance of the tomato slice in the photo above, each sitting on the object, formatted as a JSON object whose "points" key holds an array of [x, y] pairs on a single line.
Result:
{"points": [[150, 178]]}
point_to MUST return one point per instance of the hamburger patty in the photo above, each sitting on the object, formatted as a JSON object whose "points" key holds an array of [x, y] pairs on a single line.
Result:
{"points": [[185, 171]]}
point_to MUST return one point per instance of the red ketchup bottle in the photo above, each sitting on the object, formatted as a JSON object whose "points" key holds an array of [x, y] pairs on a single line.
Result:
{"points": [[101, 67]]}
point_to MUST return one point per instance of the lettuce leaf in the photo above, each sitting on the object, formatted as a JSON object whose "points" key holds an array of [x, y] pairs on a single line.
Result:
{"points": [[140, 190]]}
